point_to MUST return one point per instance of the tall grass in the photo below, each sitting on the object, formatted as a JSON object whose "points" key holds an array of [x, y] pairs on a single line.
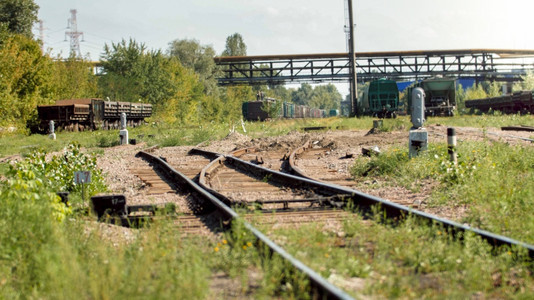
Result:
{"points": [[50, 252], [492, 179], [409, 260]]}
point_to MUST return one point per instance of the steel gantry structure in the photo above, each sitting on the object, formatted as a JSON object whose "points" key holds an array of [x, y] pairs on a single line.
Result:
{"points": [[480, 64]]}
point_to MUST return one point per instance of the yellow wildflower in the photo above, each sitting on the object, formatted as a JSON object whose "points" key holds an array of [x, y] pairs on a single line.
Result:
{"points": [[216, 249]]}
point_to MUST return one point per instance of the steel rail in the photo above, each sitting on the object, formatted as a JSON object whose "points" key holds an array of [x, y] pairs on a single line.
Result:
{"points": [[397, 210], [362, 200], [320, 285]]}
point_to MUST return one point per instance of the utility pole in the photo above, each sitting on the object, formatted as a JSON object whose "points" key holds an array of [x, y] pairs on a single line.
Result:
{"points": [[41, 34], [352, 61], [74, 34]]}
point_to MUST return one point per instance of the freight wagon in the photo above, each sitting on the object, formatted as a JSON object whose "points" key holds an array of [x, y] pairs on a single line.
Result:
{"points": [[256, 110], [380, 99], [518, 102], [440, 96], [90, 114]]}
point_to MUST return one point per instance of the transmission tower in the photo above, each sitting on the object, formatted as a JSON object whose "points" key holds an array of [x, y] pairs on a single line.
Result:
{"points": [[74, 34]]}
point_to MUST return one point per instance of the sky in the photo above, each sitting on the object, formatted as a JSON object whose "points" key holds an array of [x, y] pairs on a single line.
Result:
{"points": [[291, 26]]}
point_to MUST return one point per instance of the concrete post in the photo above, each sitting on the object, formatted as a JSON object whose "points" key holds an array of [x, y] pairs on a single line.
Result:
{"points": [[418, 140], [451, 145], [123, 134], [52, 133]]}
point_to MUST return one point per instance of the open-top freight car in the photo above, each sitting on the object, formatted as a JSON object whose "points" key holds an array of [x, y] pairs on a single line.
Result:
{"points": [[258, 110], [518, 102], [440, 96], [380, 99], [91, 113]]}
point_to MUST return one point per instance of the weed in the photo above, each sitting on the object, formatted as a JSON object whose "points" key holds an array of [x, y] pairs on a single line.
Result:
{"points": [[492, 178]]}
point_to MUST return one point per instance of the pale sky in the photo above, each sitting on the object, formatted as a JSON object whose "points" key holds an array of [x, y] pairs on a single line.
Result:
{"points": [[293, 26]]}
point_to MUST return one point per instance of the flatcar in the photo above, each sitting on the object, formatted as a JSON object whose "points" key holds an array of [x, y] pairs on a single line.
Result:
{"points": [[380, 99], [256, 110], [440, 96], [91, 114], [517, 102]]}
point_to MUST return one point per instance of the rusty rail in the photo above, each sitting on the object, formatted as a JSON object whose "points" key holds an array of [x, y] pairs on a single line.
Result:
{"points": [[394, 210], [321, 286]]}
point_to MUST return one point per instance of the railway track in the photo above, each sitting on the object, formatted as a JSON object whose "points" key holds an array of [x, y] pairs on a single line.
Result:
{"points": [[320, 286], [307, 161], [192, 217], [238, 180]]}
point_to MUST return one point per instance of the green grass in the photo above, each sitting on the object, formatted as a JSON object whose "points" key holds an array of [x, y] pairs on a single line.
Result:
{"points": [[41, 257], [409, 261], [167, 135], [492, 180], [483, 121], [48, 251]]}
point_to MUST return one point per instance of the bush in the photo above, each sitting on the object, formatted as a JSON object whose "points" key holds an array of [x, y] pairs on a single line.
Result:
{"points": [[57, 173]]}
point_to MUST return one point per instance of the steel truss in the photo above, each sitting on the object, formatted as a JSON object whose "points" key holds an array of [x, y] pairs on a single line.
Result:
{"points": [[481, 64]]}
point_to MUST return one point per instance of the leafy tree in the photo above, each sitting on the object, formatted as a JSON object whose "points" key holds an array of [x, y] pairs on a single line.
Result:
{"points": [[235, 46], [18, 16], [475, 92], [24, 80], [527, 82], [279, 92], [272, 108], [232, 99], [73, 78], [131, 73], [198, 58], [303, 94], [325, 97]]}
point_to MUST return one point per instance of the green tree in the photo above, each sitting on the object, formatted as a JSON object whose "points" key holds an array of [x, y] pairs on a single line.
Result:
{"points": [[232, 99], [475, 92], [24, 80], [198, 58], [131, 73], [527, 82], [18, 16], [279, 92], [325, 97], [235, 46], [303, 94], [73, 78]]}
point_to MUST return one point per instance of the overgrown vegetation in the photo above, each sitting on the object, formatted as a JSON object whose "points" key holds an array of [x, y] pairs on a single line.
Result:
{"points": [[492, 180], [45, 255], [373, 259]]}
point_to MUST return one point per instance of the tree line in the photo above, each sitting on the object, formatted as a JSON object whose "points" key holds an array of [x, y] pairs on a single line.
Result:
{"points": [[179, 82]]}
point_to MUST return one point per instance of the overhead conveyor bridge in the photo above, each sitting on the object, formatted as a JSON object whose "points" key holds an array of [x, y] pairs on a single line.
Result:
{"points": [[480, 64]]}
